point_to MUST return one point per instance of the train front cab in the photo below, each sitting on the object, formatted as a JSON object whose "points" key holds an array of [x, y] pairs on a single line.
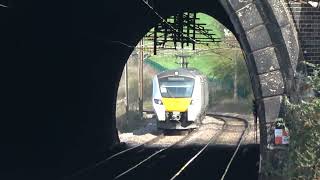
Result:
{"points": [[179, 104]]}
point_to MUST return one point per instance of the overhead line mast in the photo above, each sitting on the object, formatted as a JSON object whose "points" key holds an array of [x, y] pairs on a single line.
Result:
{"points": [[187, 31]]}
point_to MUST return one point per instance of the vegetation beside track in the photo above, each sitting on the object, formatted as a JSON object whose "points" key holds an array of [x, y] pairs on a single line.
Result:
{"points": [[301, 159], [303, 121]]}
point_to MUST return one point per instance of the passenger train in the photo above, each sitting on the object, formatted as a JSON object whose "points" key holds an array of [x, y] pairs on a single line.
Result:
{"points": [[180, 98]]}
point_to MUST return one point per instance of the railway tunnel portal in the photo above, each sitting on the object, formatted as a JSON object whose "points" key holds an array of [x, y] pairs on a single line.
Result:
{"points": [[69, 59]]}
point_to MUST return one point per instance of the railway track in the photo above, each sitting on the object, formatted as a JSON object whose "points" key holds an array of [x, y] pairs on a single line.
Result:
{"points": [[191, 171], [117, 164], [170, 162], [183, 157], [132, 150], [242, 136], [157, 153]]}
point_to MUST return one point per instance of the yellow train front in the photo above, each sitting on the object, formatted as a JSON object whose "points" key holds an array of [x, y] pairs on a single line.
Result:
{"points": [[180, 98]]}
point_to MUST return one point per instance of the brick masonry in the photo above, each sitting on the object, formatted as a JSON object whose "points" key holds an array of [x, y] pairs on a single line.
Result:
{"points": [[307, 22]]}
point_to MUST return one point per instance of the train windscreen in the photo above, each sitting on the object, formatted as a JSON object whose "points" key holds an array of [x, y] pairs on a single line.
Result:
{"points": [[176, 87]]}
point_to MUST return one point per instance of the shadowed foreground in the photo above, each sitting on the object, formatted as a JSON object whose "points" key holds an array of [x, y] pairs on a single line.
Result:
{"points": [[210, 165]]}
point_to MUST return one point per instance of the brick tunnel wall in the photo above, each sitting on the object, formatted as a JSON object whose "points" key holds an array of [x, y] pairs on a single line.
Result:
{"points": [[307, 21]]}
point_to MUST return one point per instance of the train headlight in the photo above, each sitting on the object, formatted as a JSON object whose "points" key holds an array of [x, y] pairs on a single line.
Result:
{"points": [[158, 101]]}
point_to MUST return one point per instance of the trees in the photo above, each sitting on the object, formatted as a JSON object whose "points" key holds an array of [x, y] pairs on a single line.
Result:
{"points": [[231, 71]]}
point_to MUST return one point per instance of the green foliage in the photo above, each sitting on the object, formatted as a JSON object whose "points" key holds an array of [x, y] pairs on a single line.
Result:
{"points": [[303, 121], [224, 71], [203, 62], [154, 65], [314, 80], [211, 23]]}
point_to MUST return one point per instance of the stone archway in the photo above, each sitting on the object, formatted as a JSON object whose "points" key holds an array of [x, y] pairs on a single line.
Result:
{"points": [[269, 40]]}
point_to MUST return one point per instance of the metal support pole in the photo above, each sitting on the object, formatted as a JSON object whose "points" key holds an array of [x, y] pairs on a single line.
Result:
{"points": [[174, 32], [180, 28], [181, 62], [154, 40], [235, 84], [140, 79], [165, 33], [188, 27], [126, 93], [194, 30]]}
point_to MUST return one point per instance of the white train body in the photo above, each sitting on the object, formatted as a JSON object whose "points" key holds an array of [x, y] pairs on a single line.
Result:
{"points": [[180, 98]]}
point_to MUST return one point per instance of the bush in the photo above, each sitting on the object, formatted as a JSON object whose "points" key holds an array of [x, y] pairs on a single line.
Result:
{"points": [[303, 121]]}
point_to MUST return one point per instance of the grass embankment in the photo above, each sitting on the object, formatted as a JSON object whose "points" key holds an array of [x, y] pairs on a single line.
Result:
{"points": [[202, 62]]}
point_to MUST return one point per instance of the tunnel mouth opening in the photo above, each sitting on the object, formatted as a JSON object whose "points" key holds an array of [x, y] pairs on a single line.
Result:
{"points": [[230, 91], [225, 100]]}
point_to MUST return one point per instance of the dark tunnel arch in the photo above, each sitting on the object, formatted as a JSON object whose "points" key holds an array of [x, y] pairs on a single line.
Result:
{"points": [[266, 78], [68, 62]]}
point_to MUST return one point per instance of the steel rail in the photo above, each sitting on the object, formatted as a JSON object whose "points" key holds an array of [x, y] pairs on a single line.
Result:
{"points": [[82, 171], [156, 153], [239, 142], [136, 147], [212, 139], [4, 6]]}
